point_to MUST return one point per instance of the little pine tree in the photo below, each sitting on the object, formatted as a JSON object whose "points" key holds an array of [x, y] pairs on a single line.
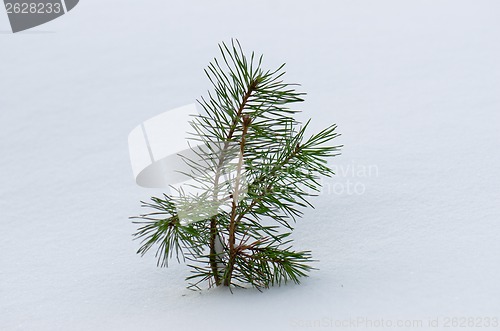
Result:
{"points": [[255, 169]]}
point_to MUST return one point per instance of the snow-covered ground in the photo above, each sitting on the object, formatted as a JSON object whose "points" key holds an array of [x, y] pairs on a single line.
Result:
{"points": [[408, 231]]}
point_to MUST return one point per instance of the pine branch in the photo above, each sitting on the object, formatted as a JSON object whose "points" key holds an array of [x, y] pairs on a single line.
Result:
{"points": [[247, 116], [163, 228], [234, 204], [213, 228]]}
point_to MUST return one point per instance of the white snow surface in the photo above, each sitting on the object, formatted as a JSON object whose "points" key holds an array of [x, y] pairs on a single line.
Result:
{"points": [[408, 231]]}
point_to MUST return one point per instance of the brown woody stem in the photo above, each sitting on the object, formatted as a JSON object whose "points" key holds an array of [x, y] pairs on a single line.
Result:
{"points": [[234, 204], [213, 222]]}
